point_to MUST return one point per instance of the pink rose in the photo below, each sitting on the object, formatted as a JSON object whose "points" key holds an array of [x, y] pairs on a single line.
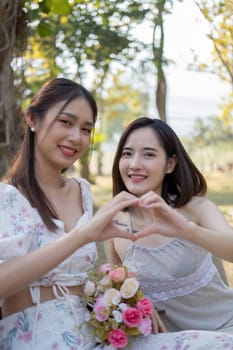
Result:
{"points": [[132, 317], [146, 306], [105, 268], [118, 338], [117, 275], [101, 312], [145, 326], [101, 317]]}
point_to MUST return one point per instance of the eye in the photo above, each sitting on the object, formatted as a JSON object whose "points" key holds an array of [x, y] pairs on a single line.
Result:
{"points": [[126, 153], [149, 155], [87, 131], [65, 121]]}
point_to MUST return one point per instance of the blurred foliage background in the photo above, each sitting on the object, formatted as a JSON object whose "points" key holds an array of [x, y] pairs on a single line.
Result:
{"points": [[43, 39], [94, 41]]}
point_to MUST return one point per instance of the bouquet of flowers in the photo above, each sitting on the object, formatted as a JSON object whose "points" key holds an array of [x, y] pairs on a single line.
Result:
{"points": [[117, 306]]}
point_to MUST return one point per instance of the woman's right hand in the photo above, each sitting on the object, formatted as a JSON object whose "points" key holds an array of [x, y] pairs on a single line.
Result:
{"points": [[101, 226], [28, 268]]}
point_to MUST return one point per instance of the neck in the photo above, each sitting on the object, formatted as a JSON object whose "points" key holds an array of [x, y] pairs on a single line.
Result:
{"points": [[47, 181], [140, 213]]}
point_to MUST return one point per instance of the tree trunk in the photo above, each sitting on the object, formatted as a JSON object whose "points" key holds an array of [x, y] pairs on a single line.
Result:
{"points": [[10, 10], [158, 46], [161, 93], [85, 171]]}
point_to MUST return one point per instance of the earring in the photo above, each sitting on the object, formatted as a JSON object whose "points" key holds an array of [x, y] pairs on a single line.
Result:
{"points": [[32, 129]]}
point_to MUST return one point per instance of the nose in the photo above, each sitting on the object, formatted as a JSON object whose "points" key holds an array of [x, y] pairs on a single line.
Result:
{"points": [[74, 134], [135, 162]]}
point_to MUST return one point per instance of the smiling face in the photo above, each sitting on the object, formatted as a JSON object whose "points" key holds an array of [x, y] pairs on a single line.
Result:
{"points": [[143, 162], [63, 137]]}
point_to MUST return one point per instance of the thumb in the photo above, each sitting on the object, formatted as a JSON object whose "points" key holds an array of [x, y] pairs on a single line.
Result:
{"points": [[145, 232]]}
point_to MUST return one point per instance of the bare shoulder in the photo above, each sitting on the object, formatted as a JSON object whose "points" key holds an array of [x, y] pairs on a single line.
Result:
{"points": [[72, 193], [73, 186], [204, 212], [195, 208], [197, 201]]}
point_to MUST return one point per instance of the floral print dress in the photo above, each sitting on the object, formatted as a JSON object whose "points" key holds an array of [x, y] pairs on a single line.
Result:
{"points": [[58, 323]]}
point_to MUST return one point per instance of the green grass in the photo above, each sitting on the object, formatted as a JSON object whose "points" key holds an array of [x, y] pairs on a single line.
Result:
{"points": [[220, 191]]}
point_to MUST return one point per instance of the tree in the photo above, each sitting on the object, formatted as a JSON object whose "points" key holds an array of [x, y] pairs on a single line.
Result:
{"points": [[12, 30], [55, 41], [123, 103], [219, 16], [66, 38], [210, 132]]}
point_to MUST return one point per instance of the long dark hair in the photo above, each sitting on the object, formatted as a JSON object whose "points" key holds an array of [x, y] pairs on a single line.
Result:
{"points": [[21, 173], [178, 186]]}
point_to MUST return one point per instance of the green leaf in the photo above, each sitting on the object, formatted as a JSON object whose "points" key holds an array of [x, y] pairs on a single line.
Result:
{"points": [[60, 7], [44, 28], [132, 331], [45, 6]]}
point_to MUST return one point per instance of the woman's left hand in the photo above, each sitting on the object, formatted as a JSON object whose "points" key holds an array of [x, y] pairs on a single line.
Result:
{"points": [[157, 323], [167, 221]]}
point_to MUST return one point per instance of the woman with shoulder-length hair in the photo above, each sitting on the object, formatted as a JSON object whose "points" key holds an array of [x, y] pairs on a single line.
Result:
{"points": [[176, 227]]}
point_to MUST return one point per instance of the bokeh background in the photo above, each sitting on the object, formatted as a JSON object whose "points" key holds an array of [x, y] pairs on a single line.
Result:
{"points": [[168, 59]]}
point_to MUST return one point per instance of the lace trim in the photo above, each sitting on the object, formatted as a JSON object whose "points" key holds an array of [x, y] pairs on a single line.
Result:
{"points": [[160, 290]]}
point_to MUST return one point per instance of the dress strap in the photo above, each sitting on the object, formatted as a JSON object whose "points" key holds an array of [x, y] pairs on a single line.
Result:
{"points": [[35, 296]]}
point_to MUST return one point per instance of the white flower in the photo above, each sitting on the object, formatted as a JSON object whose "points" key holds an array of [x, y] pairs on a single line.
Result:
{"points": [[129, 288], [117, 315], [111, 296], [89, 288], [105, 281], [87, 316], [122, 306]]}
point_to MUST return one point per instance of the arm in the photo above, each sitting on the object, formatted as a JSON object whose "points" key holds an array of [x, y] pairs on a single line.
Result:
{"points": [[24, 270], [212, 232], [200, 221]]}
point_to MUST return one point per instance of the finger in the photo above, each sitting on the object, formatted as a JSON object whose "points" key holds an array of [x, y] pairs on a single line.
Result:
{"points": [[161, 326], [112, 207], [126, 235], [127, 202], [150, 196], [114, 231], [151, 202], [125, 199], [155, 326], [124, 196], [145, 232]]}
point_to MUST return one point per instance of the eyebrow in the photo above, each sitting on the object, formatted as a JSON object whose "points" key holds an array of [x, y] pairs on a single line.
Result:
{"points": [[73, 116], [145, 149]]}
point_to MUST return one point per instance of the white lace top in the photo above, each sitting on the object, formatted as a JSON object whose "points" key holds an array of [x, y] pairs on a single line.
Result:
{"points": [[22, 230], [182, 279]]}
